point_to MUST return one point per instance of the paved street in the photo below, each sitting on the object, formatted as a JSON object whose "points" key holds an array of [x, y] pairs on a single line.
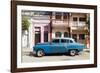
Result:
{"points": [[26, 57]]}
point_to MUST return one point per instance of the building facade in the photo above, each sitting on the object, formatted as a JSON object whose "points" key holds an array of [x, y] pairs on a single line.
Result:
{"points": [[48, 25]]}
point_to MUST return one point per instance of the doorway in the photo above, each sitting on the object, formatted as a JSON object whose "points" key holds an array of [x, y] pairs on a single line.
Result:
{"points": [[37, 35]]}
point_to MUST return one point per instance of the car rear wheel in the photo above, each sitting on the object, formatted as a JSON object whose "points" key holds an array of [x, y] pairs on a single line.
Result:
{"points": [[40, 53], [72, 52]]}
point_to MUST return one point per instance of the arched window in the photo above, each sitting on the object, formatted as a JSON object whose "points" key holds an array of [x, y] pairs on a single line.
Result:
{"points": [[65, 34], [58, 34]]}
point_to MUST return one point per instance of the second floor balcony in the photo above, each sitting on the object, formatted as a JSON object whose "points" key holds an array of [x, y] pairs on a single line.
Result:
{"points": [[41, 19], [79, 25], [60, 23]]}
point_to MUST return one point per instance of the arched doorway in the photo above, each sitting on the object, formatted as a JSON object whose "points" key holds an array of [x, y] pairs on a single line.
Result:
{"points": [[58, 34], [66, 34]]}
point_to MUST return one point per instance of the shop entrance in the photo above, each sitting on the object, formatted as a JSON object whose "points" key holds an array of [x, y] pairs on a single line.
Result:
{"points": [[37, 35]]}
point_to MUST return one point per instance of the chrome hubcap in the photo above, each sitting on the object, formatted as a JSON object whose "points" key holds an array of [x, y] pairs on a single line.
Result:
{"points": [[72, 52], [40, 53]]}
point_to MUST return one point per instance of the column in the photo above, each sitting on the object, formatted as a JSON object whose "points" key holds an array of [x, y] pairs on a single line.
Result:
{"points": [[42, 34], [77, 37], [30, 35]]}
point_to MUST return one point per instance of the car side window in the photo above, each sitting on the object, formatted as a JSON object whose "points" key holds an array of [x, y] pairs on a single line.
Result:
{"points": [[67, 41], [63, 41], [55, 41], [70, 41]]}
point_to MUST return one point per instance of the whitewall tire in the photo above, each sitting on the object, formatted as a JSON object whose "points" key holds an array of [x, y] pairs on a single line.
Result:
{"points": [[40, 53]]}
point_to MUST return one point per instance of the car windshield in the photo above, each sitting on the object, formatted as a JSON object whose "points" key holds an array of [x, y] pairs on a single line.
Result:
{"points": [[70, 41]]}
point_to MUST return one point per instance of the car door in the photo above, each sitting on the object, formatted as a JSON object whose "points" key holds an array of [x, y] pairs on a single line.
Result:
{"points": [[63, 45], [55, 46]]}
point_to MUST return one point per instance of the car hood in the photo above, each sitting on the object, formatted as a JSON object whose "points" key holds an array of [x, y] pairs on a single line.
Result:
{"points": [[77, 44]]}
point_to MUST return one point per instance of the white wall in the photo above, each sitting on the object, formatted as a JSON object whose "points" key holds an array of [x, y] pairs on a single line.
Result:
{"points": [[5, 37]]}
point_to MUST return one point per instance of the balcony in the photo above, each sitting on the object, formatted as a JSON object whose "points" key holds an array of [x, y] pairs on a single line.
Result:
{"points": [[41, 19], [60, 23], [79, 25]]}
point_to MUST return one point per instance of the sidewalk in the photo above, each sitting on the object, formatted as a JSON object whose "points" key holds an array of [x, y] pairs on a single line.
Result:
{"points": [[27, 49], [86, 50]]}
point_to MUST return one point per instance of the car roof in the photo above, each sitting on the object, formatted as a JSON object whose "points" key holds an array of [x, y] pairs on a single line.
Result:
{"points": [[64, 38]]}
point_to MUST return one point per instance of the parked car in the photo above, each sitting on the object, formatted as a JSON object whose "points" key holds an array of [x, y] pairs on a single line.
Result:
{"points": [[58, 45]]}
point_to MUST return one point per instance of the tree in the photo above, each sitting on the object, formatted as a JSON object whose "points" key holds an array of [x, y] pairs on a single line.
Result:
{"points": [[88, 23], [25, 27], [25, 23]]}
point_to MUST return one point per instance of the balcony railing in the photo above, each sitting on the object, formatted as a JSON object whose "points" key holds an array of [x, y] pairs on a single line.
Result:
{"points": [[60, 23], [43, 17], [79, 25]]}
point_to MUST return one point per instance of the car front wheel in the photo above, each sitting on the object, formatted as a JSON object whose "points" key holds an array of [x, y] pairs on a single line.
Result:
{"points": [[40, 53], [72, 52]]}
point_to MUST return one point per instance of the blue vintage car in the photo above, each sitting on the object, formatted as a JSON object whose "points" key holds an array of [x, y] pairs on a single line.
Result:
{"points": [[58, 45]]}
